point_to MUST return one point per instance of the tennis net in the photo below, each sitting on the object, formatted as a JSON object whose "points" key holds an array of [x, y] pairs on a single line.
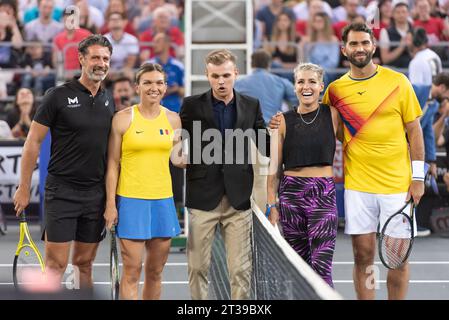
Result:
{"points": [[278, 272]]}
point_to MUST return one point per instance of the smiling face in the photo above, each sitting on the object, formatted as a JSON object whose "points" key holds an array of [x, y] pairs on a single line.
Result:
{"points": [[151, 87], [95, 63], [359, 48], [308, 86], [221, 79]]}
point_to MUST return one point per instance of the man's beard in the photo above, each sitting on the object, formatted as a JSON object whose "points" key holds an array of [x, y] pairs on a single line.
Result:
{"points": [[364, 62], [95, 77]]}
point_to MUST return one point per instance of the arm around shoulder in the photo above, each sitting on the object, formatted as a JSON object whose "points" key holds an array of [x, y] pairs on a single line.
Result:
{"points": [[337, 123]]}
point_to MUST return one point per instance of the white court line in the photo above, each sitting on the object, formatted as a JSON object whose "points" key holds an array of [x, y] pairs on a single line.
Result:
{"points": [[186, 282], [181, 264], [385, 281], [410, 262], [170, 264], [102, 283]]}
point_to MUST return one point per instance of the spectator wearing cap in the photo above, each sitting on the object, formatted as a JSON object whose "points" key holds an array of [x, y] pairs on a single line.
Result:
{"points": [[394, 41], [125, 45], [44, 28], [161, 23], [65, 43]]}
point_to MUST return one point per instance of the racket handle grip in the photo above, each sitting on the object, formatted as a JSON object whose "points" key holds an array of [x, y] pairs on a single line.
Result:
{"points": [[22, 216]]}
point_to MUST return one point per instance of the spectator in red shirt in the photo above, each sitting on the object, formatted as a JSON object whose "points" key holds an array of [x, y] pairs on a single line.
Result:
{"points": [[161, 23], [65, 43], [436, 28]]}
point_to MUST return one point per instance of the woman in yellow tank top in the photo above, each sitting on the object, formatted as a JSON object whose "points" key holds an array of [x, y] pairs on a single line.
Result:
{"points": [[138, 183]]}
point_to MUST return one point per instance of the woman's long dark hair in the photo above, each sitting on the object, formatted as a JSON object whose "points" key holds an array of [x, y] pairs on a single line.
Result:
{"points": [[33, 108]]}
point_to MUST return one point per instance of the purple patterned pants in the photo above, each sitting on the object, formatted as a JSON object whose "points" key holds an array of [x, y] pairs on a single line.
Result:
{"points": [[309, 220]]}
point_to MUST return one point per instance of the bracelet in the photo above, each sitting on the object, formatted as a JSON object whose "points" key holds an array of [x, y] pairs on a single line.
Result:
{"points": [[418, 170], [269, 206]]}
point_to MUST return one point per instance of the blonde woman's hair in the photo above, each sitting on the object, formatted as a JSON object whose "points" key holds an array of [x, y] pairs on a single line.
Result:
{"points": [[220, 56], [307, 66]]}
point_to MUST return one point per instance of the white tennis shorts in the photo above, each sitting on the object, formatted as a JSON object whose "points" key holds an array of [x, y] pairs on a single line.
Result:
{"points": [[363, 211]]}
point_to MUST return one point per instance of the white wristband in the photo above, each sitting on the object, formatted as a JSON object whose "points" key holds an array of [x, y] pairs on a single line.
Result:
{"points": [[418, 170]]}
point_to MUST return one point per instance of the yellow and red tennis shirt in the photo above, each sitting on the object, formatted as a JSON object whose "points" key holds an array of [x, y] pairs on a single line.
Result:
{"points": [[374, 113]]}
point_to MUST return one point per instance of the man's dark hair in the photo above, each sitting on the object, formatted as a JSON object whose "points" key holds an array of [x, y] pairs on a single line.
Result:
{"points": [[260, 59], [356, 27], [92, 40], [419, 37], [121, 79], [441, 78]]}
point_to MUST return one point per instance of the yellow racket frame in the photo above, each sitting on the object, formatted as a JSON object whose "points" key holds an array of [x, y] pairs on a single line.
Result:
{"points": [[25, 233]]}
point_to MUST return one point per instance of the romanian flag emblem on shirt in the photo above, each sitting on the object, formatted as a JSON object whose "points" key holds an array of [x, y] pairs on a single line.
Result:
{"points": [[162, 132]]}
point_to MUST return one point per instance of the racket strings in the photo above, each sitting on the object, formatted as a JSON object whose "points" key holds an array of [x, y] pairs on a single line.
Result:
{"points": [[114, 269], [395, 250], [28, 267]]}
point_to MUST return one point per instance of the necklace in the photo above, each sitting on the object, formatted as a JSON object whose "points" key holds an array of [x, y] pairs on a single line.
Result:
{"points": [[314, 118]]}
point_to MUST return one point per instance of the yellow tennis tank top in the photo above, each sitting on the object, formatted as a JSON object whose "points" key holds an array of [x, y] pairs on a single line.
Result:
{"points": [[146, 148]]}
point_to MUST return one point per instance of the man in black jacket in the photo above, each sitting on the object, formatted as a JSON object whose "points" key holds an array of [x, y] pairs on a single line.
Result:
{"points": [[220, 174]]}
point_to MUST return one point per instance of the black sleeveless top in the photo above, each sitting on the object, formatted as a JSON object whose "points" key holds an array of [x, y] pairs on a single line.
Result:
{"points": [[311, 144]]}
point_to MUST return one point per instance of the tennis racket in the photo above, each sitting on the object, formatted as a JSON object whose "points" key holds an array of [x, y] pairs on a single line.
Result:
{"points": [[114, 270], [28, 259], [395, 240]]}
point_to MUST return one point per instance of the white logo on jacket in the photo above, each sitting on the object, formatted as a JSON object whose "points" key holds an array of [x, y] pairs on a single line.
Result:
{"points": [[73, 103]]}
